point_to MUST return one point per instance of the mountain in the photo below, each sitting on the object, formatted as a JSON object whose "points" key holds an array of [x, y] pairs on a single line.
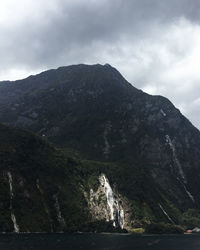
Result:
{"points": [[38, 185], [44, 189], [138, 146]]}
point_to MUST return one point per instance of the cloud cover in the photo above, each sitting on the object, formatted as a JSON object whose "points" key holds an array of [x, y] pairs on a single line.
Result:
{"points": [[154, 44]]}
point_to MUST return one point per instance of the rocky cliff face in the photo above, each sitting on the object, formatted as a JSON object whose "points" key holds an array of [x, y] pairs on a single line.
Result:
{"points": [[95, 111], [106, 204], [42, 189], [38, 184]]}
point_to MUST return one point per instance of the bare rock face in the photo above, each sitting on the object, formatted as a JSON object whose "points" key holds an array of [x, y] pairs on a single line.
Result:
{"points": [[106, 204]]}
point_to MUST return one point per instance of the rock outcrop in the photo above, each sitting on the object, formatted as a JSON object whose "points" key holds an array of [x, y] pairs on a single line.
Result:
{"points": [[94, 111]]}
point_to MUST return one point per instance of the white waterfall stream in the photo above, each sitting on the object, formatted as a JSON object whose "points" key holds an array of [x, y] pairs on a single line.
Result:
{"points": [[59, 214], [13, 218], [180, 170], [116, 214], [176, 160], [165, 213]]}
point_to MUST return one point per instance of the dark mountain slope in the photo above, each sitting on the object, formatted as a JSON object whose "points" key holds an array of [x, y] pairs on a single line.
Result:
{"points": [[74, 104], [38, 185], [94, 110], [44, 190]]}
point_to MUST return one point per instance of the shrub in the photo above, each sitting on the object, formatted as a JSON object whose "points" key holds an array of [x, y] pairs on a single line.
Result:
{"points": [[161, 228]]}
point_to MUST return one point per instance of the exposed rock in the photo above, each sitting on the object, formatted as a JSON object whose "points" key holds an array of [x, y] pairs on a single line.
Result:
{"points": [[109, 205], [94, 111]]}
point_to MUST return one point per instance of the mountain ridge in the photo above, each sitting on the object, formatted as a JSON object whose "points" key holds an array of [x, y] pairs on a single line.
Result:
{"points": [[93, 110]]}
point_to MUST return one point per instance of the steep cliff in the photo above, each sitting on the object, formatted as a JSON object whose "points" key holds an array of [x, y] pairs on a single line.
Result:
{"points": [[38, 186], [152, 149]]}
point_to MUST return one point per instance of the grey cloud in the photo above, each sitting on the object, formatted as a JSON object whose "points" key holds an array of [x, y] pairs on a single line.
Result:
{"points": [[139, 37], [79, 24]]}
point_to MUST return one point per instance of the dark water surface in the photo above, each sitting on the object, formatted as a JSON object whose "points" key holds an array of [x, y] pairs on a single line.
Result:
{"points": [[98, 241]]}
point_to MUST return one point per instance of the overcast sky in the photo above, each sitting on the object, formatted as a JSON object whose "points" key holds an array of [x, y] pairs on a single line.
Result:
{"points": [[155, 44]]}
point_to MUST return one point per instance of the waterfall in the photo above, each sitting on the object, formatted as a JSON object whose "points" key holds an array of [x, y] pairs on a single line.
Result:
{"points": [[59, 214], [176, 160], [116, 214], [44, 203], [180, 170], [165, 213], [13, 218]]}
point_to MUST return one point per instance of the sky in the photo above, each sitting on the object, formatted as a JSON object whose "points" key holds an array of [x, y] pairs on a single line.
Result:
{"points": [[155, 44]]}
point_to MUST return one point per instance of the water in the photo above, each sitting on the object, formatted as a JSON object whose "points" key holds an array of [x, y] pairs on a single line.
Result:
{"points": [[98, 242]]}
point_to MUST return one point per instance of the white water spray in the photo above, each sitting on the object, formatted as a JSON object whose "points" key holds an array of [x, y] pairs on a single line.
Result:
{"points": [[13, 218], [165, 213], [59, 214], [116, 214], [180, 170]]}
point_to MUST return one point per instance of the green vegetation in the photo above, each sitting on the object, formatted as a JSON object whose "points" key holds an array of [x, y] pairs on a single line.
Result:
{"points": [[45, 183], [103, 125], [49, 182], [161, 228], [138, 230], [101, 226], [191, 218]]}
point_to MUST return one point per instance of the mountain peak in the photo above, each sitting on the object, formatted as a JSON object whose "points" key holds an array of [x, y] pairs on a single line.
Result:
{"points": [[93, 110], [107, 65]]}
